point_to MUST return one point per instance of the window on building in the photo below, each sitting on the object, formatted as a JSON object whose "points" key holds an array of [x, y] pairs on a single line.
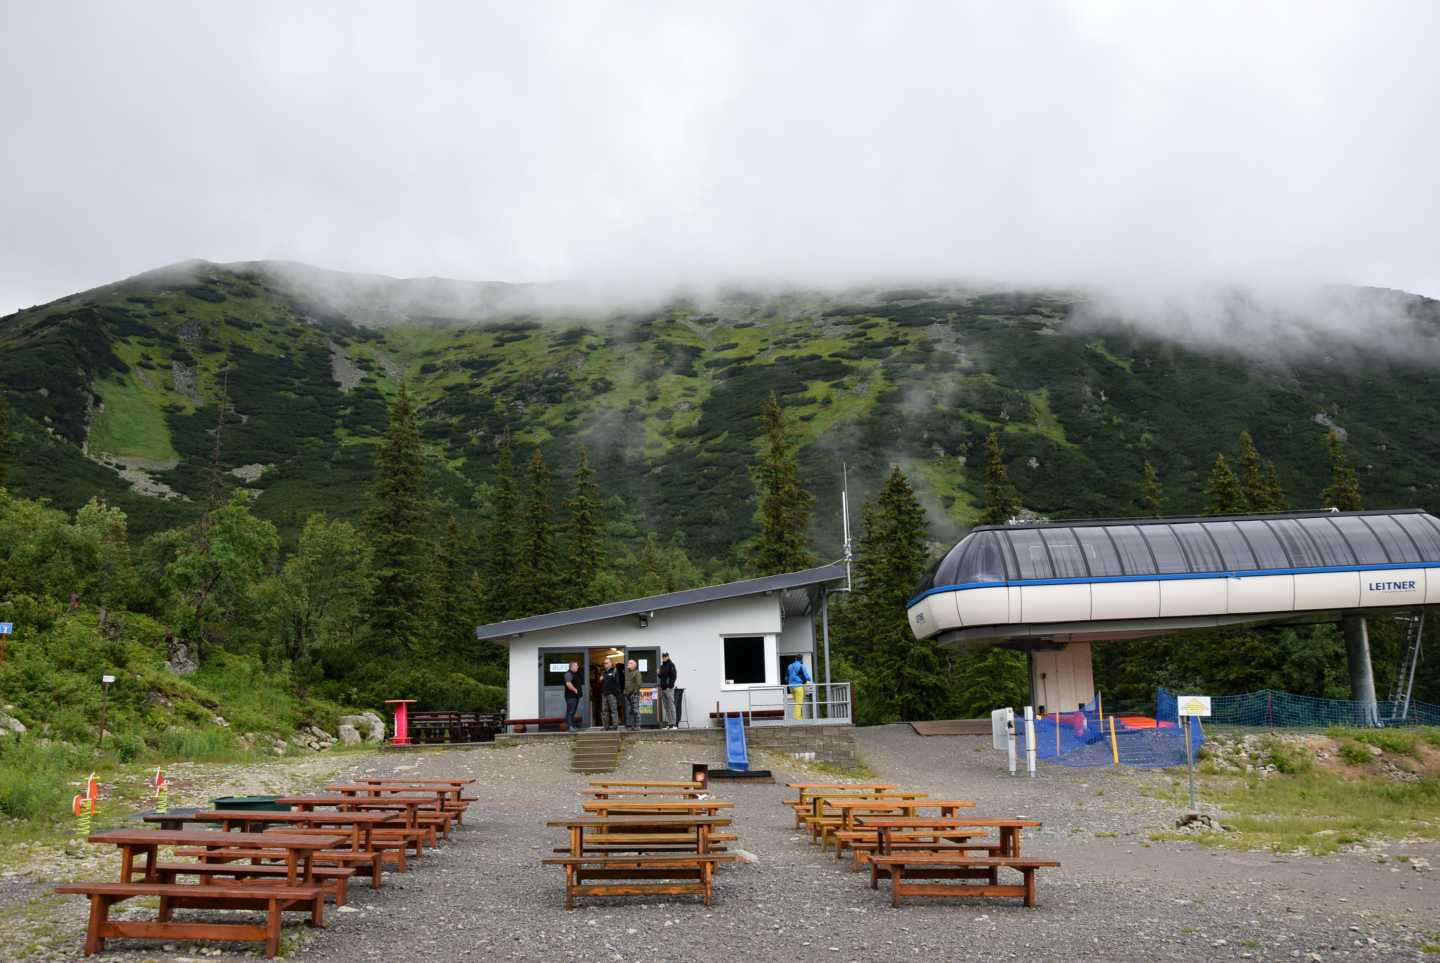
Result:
{"points": [[745, 660]]}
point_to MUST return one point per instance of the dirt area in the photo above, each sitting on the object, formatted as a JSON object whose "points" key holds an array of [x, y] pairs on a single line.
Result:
{"points": [[1118, 895]]}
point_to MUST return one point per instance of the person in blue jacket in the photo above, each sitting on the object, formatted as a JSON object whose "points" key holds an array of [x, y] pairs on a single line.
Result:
{"points": [[796, 677]]}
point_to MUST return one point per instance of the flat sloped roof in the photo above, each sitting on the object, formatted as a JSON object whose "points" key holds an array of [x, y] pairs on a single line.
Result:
{"points": [[835, 572]]}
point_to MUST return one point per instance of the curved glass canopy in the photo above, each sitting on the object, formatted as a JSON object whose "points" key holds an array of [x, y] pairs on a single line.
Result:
{"points": [[1276, 543]]}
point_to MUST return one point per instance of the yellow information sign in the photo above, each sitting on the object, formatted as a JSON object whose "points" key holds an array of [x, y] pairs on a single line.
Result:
{"points": [[1193, 705]]}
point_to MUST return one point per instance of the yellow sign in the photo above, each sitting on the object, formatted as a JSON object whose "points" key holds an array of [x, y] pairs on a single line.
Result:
{"points": [[1194, 705]]}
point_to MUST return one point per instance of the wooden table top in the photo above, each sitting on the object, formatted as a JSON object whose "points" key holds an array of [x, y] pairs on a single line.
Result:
{"points": [[841, 785], [621, 822], [911, 822], [390, 802], [919, 803], [203, 837], [360, 819], [660, 783], [417, 782], [1002, 823], [688, 793], [674, 805], [396, 788]]}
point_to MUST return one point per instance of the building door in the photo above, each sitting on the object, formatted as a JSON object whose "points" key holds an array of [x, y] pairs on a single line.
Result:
{"points": [[554, 663], [647, 663]]}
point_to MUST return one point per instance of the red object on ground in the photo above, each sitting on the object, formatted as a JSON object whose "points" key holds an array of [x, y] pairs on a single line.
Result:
{"points": [[402, 720], [1140, 722]]}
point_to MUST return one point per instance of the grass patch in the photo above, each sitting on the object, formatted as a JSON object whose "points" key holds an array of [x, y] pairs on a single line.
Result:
{"points": [[131, 425], [1315, 811], [1353, 753], [1399, 742]]}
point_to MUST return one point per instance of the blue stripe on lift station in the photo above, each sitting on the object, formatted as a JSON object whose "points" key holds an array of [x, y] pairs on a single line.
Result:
{"points": [[1173, 577]]}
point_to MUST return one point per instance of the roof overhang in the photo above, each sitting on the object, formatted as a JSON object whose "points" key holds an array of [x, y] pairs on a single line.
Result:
{"points": [[795, 586]]}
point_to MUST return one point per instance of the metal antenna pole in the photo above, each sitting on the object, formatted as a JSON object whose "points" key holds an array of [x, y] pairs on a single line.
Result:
{"points": [[845, 518]]}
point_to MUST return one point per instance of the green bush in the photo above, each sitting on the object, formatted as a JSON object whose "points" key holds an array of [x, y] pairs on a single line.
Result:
{"points": [[1353, 753], [36, 780], [1289, 759], [1399, 742]]}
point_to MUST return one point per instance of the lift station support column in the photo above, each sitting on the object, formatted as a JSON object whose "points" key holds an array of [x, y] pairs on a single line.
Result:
{"points": [[1362, 676]]}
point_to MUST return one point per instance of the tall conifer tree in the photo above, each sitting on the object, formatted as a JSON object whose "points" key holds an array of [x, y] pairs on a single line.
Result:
{"points": [[784, 509], [399, 525], [1223, 488], [1343, 492], [502, 549], [1275, 500], [1152, 495], [900, 671], [451, 610], [586, 537], [1001, 501], [538, 565], [1251, 475]]}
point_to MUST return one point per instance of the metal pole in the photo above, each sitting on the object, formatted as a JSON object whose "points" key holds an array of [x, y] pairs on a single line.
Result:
{"points": [[1030, 740], [104, 711], [1010, 738], [1362, 678], [825, 628], [1190, 760]]}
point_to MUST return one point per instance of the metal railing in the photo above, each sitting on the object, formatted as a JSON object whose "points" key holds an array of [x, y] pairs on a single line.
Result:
{"points": [[822, 704]]}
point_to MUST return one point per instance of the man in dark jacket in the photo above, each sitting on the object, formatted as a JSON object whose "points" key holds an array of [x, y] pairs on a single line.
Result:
{"points": [[632, 695], [574, 686], [611, 687], [667, 691]]}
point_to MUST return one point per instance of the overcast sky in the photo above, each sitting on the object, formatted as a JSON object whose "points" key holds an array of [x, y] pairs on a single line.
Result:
{"points": [[1087, 142]]}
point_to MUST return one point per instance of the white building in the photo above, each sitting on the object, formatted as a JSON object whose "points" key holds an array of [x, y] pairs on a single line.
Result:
{"points": [[730, 645]]}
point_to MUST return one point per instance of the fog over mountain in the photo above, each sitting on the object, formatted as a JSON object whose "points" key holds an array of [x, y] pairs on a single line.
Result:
{"points": [[1141, 149]]}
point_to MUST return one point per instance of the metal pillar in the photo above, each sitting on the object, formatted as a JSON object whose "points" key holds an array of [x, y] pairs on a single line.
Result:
{"points": [[1362, 676], [825, 631]]}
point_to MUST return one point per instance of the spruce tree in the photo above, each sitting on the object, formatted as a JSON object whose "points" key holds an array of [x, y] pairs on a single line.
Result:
{"points": [[1251, 475], [586, 537], [1152, 496], [538, 565], [1343, 492], [1275, 500], [5, 443], [1223, 489], [1001, 501], [399, 525], [902, 673], [450, 608], [502, 551], [784, 510]]}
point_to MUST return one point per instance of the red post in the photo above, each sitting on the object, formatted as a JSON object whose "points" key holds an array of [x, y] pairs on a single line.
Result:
{"points": [[402, 732]]}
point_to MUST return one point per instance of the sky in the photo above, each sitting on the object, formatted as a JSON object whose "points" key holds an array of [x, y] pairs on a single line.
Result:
{"points": [[1125, 145]]}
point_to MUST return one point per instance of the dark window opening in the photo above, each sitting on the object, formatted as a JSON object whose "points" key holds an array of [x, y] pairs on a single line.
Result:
{"points": [[745, 660]]}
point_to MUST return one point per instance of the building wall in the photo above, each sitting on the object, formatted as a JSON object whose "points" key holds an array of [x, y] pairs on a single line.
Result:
{"points": [[692, 634], [1061, 679]]}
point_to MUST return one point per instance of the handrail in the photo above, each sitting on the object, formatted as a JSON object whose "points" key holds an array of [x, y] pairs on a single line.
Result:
{"points": [[824, 703]]}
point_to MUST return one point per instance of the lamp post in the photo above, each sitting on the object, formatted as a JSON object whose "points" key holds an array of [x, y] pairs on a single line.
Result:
{"points": [[105, 681]]}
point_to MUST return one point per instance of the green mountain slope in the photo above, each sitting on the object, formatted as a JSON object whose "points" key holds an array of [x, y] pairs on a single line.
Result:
{"points": [[115, 394]]}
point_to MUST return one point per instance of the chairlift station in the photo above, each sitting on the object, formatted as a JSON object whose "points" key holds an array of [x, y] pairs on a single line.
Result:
{"points": [[1053, 589]]}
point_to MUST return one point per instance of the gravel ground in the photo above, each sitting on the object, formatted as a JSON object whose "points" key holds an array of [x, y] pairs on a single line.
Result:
{"points": [[484, 895]]}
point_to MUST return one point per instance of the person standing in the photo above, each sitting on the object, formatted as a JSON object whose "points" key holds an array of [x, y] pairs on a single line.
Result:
{"points": [[667, 691], [574, 688], [796, 677], [611, 687], [632, 695]]}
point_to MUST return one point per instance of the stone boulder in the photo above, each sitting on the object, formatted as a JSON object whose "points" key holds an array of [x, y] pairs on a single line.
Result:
{"points": [[348, 735], [179, 657], [9, 724], [368, 724]]}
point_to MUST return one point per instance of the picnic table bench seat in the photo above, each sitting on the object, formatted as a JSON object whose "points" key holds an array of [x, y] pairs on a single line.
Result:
{"points": [[375, 859], [906, 866], [270, 898], [335, 878], [648, 875]]}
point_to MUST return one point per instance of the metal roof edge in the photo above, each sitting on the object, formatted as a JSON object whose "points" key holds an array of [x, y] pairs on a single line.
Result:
{"points": [[834, 572]]}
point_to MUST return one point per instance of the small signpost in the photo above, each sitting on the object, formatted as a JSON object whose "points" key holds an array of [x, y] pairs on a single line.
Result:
{"points": [[1191, 706]]}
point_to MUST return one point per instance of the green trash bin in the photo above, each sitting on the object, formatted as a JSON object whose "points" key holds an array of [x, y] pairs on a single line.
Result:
{"points": [[250, 803]]}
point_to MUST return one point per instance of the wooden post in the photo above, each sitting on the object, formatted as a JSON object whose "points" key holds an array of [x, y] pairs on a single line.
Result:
{"points": [[1114, 746]]}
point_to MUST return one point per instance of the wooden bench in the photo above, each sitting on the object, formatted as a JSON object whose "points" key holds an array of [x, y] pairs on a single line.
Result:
{"points": [[271, 899], [335, 878], [637, 875], [862, 842], [905, 866], [374, 859]]}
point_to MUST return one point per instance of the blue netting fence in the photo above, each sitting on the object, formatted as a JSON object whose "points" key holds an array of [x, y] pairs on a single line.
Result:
{"points": [[1273, 709], [1084, 738]]}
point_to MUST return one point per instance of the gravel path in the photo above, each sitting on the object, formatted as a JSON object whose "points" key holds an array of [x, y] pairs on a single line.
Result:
{"points": [[484, 895]]}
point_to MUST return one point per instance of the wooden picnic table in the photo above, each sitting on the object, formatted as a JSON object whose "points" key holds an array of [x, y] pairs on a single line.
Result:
{"points": [[849, 808], [411, 805], [646, 784], [357, 825], [664, 793], [805, 786], [810, 808], [1007, 829], [400, 780], [299, 849], [441, 792], [669, 831], [621, 807]]}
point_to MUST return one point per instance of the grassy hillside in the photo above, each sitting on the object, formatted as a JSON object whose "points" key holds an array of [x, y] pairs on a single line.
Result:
{"points": [[667, 400]]}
